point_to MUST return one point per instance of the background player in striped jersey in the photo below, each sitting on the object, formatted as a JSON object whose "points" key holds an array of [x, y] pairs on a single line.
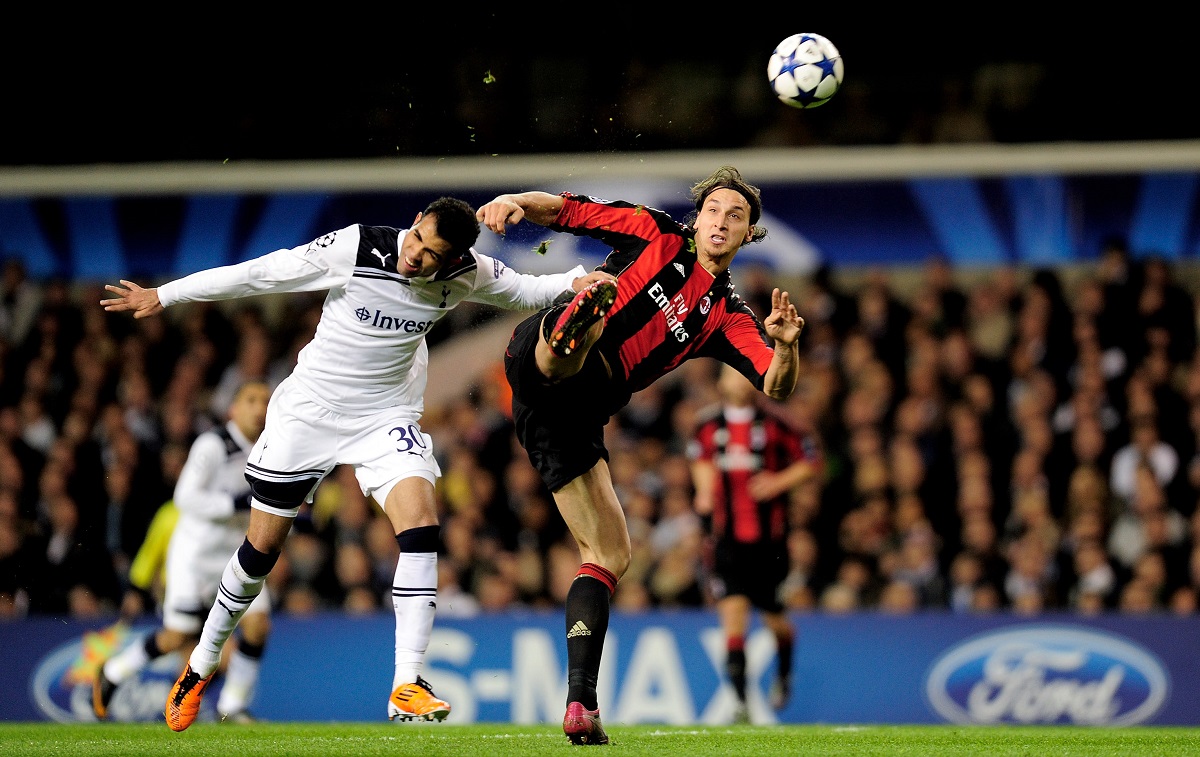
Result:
{"points": [[573, 366], [747, 457], [354, 398], [213, 501]]}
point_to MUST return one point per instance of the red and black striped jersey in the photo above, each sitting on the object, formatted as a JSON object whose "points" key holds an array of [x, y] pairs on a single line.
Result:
{"points": [[669, 309], [740, 443]]}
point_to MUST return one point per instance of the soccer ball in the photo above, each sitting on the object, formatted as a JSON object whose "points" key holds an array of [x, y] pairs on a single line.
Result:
{"points": [[805, 70]]}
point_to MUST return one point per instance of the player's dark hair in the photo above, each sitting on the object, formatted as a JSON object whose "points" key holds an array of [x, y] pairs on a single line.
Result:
{"points": [[728, 177], [242, 387], [456, 223]]}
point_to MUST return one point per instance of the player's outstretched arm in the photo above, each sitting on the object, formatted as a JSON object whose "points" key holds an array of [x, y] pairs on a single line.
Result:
{"points": [[536, 207], [129, 296]]}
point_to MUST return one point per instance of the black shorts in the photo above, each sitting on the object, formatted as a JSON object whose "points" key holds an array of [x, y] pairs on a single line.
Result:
{"points": [[561, 426], [755, 571]]}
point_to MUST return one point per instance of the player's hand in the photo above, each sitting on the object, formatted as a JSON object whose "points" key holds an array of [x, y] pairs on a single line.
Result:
{"points": [[583, 282], [130, 296], [784, 324], [499, 213]]}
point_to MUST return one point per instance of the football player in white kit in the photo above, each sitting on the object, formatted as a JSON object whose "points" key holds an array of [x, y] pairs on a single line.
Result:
{"points": [[354, 398], [213, 499]]}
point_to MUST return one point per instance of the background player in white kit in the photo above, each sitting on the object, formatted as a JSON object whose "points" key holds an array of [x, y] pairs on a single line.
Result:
{"points": [[213, 498], [355, 398]]}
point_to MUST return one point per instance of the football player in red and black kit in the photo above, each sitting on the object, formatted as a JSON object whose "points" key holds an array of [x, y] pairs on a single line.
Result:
{"points": [[747, 457], [573, 365]]}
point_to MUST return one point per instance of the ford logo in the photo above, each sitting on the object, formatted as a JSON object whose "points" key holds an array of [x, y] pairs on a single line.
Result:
{"points": [[1047, 675]]}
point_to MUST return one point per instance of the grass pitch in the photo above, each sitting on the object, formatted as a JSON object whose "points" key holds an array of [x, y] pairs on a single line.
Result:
{"points": [[485, 739]]}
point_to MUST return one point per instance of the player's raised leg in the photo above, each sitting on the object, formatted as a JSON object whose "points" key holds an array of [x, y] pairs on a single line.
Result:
{"points": [[571, 333]]}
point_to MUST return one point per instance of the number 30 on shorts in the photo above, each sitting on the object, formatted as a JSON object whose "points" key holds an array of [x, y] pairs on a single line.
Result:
{"points": [[409, 437]]}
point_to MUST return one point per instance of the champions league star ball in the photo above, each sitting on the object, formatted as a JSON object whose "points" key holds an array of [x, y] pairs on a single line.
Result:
{"points": [[805, 70]]}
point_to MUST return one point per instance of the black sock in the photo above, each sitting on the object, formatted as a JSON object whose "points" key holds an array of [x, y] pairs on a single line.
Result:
{"points": [[549, 321], [256, 564], [153, 651], [587, 623], [253, 651], [735, 665], [784, 645]]}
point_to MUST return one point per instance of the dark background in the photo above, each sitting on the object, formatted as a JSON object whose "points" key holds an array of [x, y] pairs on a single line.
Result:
{"points": [[577, 79]]}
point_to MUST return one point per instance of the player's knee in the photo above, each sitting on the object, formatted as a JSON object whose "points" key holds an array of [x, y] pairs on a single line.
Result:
{"points": [[617, 554], [618, 560]]}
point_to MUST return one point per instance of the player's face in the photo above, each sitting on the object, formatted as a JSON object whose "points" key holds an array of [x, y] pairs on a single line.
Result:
{"points": [[735, 388], [249, 409], [723, 223], [423, 252]]}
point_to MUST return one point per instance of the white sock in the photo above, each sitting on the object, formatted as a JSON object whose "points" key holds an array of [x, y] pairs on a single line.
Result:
{"points": [[414, 598], [241, 678], [237, 591], [128, 661]]}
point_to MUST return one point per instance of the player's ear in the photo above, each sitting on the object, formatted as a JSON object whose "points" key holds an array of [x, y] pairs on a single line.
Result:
{"points": [[417, 220]]}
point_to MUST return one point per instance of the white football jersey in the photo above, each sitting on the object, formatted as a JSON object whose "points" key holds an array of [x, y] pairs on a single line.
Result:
{"points": [[369, 351], [209, 527]]}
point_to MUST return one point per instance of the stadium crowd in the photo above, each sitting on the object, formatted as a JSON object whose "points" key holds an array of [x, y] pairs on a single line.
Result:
{"points": [[1025, 440]]}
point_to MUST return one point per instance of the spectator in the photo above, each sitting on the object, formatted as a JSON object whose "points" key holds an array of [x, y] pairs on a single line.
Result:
{"points": [[1031, 576], [839, 599], [20, 301], [967, 575], [966, 430], [58, 564], [1146, 517], [1145, 447], [1095, 579], [918, 566]]}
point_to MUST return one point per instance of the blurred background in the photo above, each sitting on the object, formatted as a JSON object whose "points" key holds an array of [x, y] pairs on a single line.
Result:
{"points": [[1010, 426]]}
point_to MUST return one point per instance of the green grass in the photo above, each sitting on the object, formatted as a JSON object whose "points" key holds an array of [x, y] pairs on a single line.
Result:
{"points": [[483, 740]]}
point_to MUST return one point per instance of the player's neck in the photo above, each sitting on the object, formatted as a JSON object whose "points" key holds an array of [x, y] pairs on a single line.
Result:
{"points": [[714, 265], [739, 413]]}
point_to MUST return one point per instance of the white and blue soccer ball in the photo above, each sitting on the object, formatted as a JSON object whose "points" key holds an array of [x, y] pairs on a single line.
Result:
{"points": [[805, 70]]}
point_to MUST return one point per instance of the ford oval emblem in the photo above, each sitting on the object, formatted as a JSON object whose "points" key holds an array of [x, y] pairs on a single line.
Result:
{"points": [[1047, 675]]}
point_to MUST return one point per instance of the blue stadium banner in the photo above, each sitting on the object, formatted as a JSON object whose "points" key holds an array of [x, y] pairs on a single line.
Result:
{"points": [[970, 220], [664, 667]]}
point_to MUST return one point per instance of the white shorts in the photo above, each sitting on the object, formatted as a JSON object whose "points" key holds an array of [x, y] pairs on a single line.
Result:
{"points": [[196, 558], [303, 441]]}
